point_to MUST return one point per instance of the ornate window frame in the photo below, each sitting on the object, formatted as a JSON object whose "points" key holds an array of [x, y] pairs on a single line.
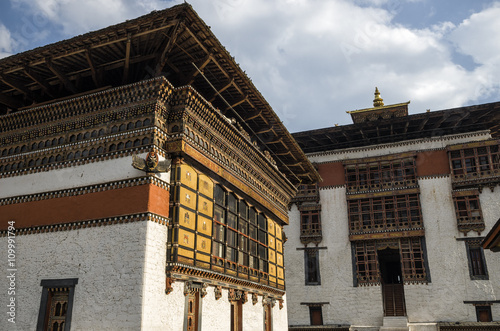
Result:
{"points": [[51, 286]]}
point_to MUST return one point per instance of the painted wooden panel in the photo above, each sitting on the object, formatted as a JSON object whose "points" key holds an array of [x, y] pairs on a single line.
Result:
{"points": [[186, 218], [186, 238], [188, 176], [187, 198], [205, 206], [206, 186], [204, 225]]}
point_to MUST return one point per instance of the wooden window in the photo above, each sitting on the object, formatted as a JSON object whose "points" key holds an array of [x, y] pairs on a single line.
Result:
{"points": [[236, 315], [310, 224], [367, 270], [475, 161], [380, 174], [468, 211], [483, 313], [56, 304], [315, 315], [385, 213], [412, 260], [239, 234], [476, 260], [311, 266]]}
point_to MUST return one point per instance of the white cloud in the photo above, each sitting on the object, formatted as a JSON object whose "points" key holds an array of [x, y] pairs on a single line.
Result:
{"points": [[77, 17], [315, 59], [6, 42]]}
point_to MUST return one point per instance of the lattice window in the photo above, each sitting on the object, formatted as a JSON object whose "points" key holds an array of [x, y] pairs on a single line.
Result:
{"points": [[468, 211], [57, 309], [385, 213], [476, 260], [412, 260], [239, 232], [411, 256], [310, 224], [367, 269], [380, 174], [481, 161], [56, 304]]}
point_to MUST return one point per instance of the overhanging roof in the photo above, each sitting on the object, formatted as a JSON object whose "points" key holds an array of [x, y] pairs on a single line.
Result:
{"points": [[423, 125], [175, 43]]}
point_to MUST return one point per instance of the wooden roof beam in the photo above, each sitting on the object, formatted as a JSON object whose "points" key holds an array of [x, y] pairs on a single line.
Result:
{"points": [[88, 56], [238, 102], [162, 59], [62, 77], [225, 87], [264, 130], [39, 80], [197, 40], [422, 124], [9, 101], [253, 116], [190, 77], [15, 84], [126, 66]]}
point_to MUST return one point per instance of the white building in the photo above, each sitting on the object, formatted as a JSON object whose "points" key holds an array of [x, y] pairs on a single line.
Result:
{"points": [[133, 202], [391, 237]]}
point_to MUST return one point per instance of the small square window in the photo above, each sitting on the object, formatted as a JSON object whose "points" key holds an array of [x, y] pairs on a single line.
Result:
{"points": [[316, 315], [483, 314]]}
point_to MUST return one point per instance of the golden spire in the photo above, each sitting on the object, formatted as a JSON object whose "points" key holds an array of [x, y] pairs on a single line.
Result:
{"points": [[378, 101]]}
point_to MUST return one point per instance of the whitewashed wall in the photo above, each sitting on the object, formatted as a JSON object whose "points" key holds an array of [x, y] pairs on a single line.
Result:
{"points": [[440, 300], [108, 262]]}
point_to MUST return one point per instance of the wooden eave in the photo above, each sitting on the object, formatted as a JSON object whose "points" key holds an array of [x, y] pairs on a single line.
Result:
{"points": [[492, 239], [174, 43], [418, 126]]}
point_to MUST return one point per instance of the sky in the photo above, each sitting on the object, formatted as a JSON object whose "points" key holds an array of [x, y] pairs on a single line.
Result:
{"points": [[313, 60]]}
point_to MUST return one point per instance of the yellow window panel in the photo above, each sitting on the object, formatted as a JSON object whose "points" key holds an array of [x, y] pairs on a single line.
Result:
{"points": [[205, 206], [278, 232], [281, 273], [204, 225], [203, 244], [272, 279], [206, 186], [187, 198], [187, 218], [272, 256], [272, 270], [270, 226], [279, 259], [281, 282], [279, 246], [186, 238], [188, 176], [203, 257], [272, 242], [185, 252]]}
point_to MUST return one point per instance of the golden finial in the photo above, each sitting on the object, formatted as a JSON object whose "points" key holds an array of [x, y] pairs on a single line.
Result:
{"points": [[378, 101]]}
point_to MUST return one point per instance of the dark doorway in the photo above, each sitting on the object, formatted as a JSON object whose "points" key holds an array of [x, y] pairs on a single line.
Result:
{"points": [[392, 282]]}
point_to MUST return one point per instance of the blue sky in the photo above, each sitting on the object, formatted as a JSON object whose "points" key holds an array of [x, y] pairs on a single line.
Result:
{"points": [[314, 59]]}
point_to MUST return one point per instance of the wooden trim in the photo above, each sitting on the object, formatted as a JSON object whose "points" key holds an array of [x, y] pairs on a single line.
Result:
{"points": [[94, 205]]}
